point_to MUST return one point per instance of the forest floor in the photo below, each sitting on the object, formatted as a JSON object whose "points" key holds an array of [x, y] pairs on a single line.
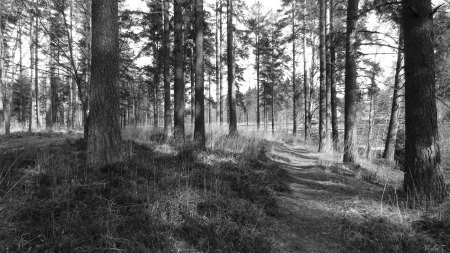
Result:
{"points": [[242, 195], [347, 208]]}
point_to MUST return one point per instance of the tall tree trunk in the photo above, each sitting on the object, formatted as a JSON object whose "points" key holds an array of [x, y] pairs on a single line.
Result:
{"points": [[218, 62], [272, 74], [209, 97], [179, 71], [351, 88], [322, 78], [199, 129], [104, 138], [167, 109], [220, 69], [193, 70], [424, 179], [36, 70], [391, 138], [305, 80], [2, 83], [31, 75], [333, 99], [258, 95], [156, 78], [294, 88], [48, 90], [231, 70]]}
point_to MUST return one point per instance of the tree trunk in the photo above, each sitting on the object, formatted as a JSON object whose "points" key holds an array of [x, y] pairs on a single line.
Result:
{"points": [[104, 136], [391, 138], [193, 70], [167, 108], [220, 55], [231, 70], [31, 74], [294, 88], [322, 78], [351, 88], [333, 99], [2, 83], [305, 80], [36, 70], [423, 178], [272, 74], [199, 129], [218, 63], [179, 71]]}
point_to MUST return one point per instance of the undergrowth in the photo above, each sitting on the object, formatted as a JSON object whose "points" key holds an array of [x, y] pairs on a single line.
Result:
{"points": [[387, 221], [172, 199]]}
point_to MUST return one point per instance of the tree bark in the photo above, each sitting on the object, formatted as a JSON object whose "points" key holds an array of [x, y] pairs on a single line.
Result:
{"points": [[2, 83], [104, 136], [31, 74], [193, 70], [199, 129], [294, 88], [322, 77], [333, 99], [179, 71], [166, 48], [218, 63], [36, 70], [305, 81], [391, 138], [231, 70], [351, 88], [423, 178], [220, 55]]}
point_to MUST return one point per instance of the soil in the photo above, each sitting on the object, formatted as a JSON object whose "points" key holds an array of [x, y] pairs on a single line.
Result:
{"points": [[311, 215]]}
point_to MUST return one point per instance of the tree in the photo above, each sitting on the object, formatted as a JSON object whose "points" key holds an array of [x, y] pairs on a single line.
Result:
{"points": [[391, 138], [351, 88], [104, 136], [306, 88], [179, 71], [167, 113], [199, 130], [333, 101], [322, 101], [231, 69], [423, 177]]}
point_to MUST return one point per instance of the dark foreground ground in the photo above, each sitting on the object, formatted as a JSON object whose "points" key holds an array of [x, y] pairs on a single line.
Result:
{"points": [[171, 198]]}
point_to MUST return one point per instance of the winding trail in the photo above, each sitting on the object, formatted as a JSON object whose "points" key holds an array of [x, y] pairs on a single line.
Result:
{"points": [[312, 213]]}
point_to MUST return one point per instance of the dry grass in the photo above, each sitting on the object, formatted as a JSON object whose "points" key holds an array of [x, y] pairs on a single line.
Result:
{"points": [[391, 222], [167, 198]]}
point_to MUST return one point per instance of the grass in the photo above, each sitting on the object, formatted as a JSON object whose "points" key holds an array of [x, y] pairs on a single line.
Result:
{"points": [[167, 198], [390, 222]]}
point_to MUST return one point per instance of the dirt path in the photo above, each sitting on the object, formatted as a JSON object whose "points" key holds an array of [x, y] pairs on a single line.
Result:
{"points": [[312, 214]]}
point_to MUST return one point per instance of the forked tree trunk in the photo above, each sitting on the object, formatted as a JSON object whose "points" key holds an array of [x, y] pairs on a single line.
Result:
{"points": [[104, 143], [179, 71], [391, 138], [423, 178], [231, 70], [351, 88], [199, 129]]}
